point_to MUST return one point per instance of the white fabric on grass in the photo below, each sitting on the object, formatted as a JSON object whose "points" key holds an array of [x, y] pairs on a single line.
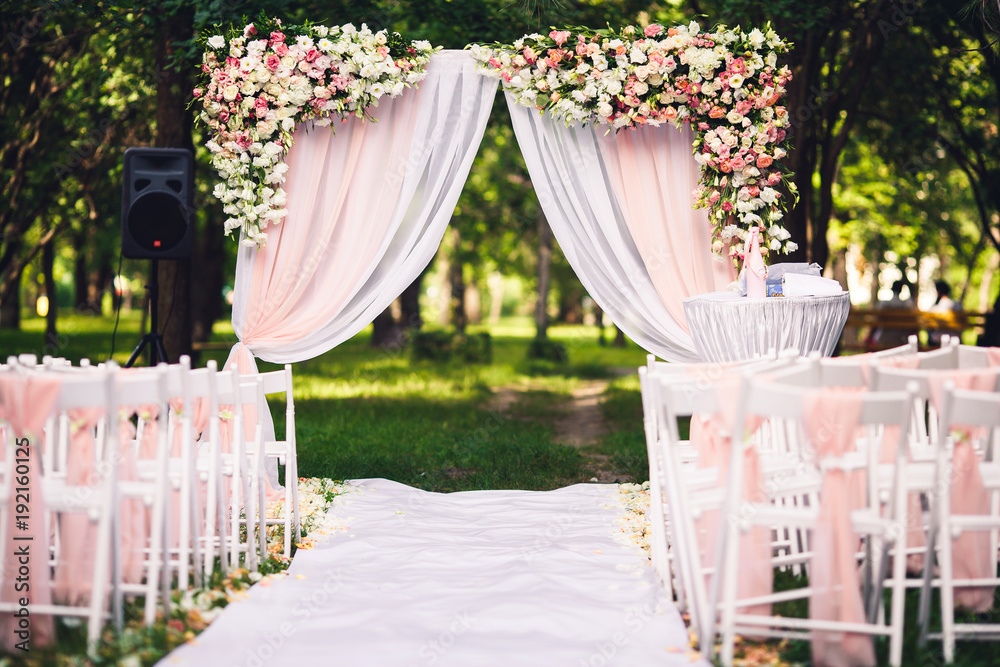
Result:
{"points": [[468, 579]]}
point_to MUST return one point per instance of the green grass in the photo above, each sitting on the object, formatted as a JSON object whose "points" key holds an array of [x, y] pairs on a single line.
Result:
{"points": [[369, 412]]}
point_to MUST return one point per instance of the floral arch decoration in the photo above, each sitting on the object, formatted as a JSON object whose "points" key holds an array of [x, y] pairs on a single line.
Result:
{"points": [[259, 81], [725, 82]]}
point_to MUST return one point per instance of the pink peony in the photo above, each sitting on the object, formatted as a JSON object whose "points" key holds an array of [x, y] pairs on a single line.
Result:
{"points": [[652, 30], [727, 206], [277, 37], [272, 62], [764, 161], [559, 36]]}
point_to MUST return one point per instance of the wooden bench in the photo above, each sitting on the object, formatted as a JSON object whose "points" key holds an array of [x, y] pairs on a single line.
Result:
{"points": [[863, 321]]}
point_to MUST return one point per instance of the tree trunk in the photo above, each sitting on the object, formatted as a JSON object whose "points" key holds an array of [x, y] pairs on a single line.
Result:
{"points": [[80, 271], [544, 277], [385, 331], [619, 337], [48, 270], [409, 302], [10, 305], [457, 280], [599, 321], [210, 255], [173, 130], [496, 285]]}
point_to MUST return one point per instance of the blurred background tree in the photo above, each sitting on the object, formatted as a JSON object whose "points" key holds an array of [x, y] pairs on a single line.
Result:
{"points": [[895, 112]]}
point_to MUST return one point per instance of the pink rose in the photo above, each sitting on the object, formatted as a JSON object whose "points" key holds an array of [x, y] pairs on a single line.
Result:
{"points": [[714, 197], [198, 92], [272, 62], [774, 179], [281, 49], [737, 162], [716, 112], [581, 50], [742, 107], [652, 30], [727, 206], [529, 55], [703, 126], [312, 55], [725, 167], [754, 190], [260, 112], [224, 116], [764, 161], [559, 36], [277, 37], [249, 30], [670, 113]]}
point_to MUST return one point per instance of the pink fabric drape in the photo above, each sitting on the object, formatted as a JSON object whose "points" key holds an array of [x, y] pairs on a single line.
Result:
{"points": [[710, 436], [831, 420], [652, 173], [993, 356], [73, 576], [337, 220], [971, 551], [26, 402]]}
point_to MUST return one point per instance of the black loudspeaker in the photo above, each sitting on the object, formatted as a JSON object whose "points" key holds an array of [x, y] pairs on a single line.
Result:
{"points": [[158, 203]]}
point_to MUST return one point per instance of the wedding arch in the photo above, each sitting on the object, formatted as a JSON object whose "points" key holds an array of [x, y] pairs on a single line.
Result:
{"points": [[344, 152]]}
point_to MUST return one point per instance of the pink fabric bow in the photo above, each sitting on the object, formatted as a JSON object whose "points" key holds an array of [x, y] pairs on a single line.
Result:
{"points": [[26, 402], [831, 419], [971, 557]]}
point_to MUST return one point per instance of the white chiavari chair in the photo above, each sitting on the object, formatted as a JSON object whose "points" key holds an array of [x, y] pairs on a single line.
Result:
{"points": [[965, 416], [767, 398], [95, 498], [280, 382]]}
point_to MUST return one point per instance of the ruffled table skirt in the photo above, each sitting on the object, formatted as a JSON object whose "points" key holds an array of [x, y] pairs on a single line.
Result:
{"points": [[727, 327]]}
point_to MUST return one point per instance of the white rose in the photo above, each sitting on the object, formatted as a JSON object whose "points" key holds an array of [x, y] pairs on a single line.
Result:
{"points": [[734, 117], [614, 87], [604, 110], [230, 92], [248, 87], [216, 41], [640, 88]]}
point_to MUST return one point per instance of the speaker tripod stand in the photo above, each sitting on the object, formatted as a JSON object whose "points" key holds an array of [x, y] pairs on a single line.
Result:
{"points": [[157, 353]]}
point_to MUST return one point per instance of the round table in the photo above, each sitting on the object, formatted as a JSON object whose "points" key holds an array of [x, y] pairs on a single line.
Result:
{"points": [[728, 327]]}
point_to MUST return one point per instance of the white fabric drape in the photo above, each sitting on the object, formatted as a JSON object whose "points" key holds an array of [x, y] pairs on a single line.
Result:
{"points": [[620, 207], [302, 303], [368, 204]]}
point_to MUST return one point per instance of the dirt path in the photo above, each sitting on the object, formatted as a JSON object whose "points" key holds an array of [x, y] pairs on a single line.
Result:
{"points": [[580, 424]]}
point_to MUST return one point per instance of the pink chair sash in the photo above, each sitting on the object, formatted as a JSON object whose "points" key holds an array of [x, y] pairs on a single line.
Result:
{"points": [[993, 356], [711, 438], [971, 557], [26, 402], [831, 419], [73, 575]]}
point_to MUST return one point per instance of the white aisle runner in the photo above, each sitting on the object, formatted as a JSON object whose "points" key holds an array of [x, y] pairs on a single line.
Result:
{"points": [[469, 579]]}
